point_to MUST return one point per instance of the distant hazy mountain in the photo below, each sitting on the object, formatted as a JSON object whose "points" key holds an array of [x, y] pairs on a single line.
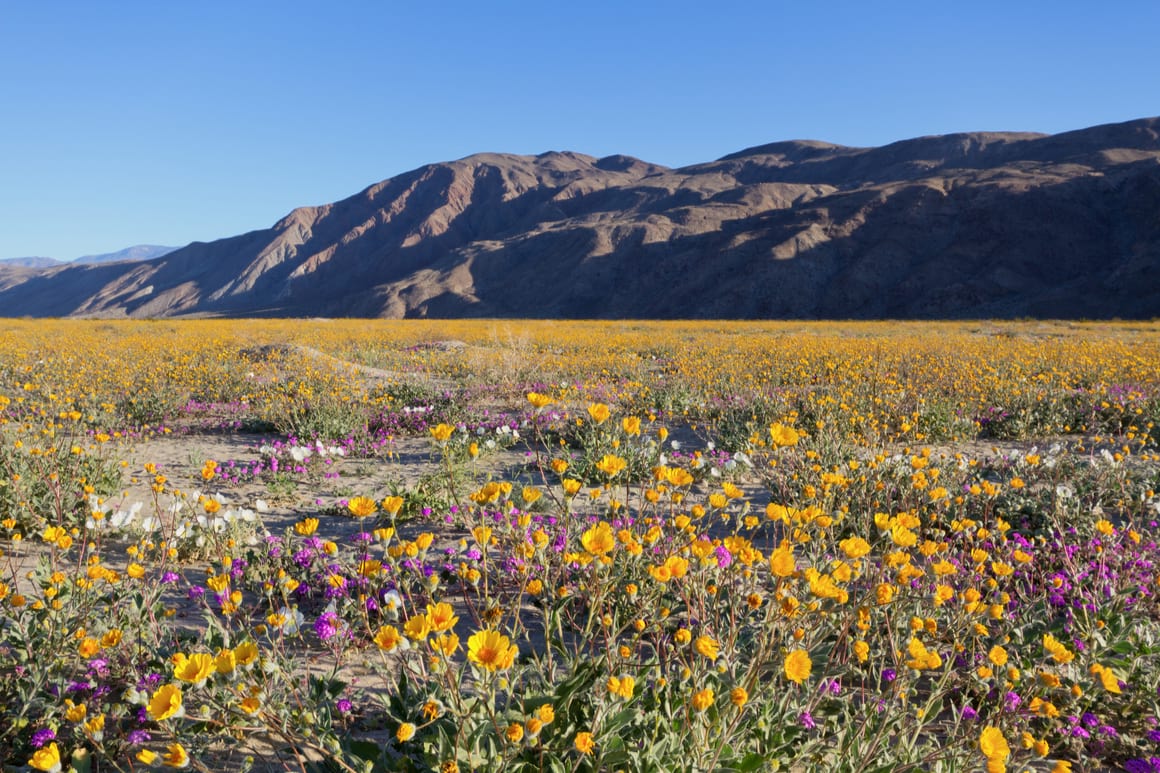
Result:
{"points": [[984, 224], [137, 252], [30, 262]]}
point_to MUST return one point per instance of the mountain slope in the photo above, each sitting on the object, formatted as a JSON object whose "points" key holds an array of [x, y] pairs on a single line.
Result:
{"points": [[965, 225]]}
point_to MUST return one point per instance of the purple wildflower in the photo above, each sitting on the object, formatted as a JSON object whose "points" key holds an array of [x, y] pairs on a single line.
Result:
{"points": [[42, 736], [724, 557], [327, 626], [832, 686]]}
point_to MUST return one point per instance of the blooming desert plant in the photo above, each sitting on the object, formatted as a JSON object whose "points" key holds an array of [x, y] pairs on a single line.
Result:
{"points": [[571, 579]]}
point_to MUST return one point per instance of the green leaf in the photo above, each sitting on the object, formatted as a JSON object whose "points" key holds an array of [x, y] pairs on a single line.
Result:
{"points": [[751, 761]]}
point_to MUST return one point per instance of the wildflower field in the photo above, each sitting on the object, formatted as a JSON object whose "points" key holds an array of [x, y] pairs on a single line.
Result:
{"points": [[326, 545]]}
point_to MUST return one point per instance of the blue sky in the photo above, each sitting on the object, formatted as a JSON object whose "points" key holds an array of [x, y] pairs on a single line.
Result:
{"points": [[167, 122]]}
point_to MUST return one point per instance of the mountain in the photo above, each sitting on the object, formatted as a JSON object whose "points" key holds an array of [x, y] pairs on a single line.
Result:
{"points": [[30, 262], [136, 252], [984, 224]]}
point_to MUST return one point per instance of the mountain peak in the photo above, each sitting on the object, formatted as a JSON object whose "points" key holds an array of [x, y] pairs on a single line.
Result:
{"points": [[790, 150], [974, 224]]}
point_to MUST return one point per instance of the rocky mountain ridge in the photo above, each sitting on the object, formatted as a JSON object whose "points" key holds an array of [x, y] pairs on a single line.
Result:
{"points": [[984, 224]]}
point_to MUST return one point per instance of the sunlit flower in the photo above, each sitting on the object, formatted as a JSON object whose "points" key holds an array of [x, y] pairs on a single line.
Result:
{"points": [[1108, 678], [492, 650], [1057, 650], [95, 727], [599, 539], [226, 662], [175, 756], [194, 669], [246, 653], [621, 686], [599, 412], [674, 568], [432, 710], [781, 435], [854, 547], [89, 647], [46, 758], [611, 465], [441, 617], [446, 644], [417, 627], [782, 562], [922, 658], [861, 651], [75, 712], [251, 703], [166, 703], [798, 666], [584, 743], [707, 646], [995, 749], [361, 507]]}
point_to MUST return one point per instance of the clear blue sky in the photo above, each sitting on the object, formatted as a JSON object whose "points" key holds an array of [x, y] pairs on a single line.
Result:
{"points": [[167, 121]]}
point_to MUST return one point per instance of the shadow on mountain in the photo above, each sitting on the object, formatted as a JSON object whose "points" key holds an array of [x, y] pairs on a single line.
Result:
{"points": [[984, 224]]}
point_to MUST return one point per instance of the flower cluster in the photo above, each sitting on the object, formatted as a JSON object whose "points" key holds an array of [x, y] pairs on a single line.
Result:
{"points": [[611, 547]]}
